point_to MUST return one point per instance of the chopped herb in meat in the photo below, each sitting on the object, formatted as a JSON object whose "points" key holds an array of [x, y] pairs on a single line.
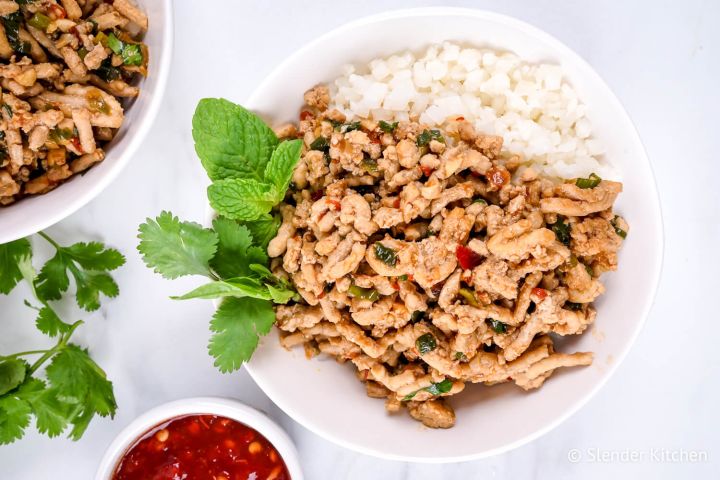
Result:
{"points": [[349, 127], [562, 230], [619, 231], [416, 316], [363, 293], [320, 143], [460, 356], [427, 136], [573, 306], [497, 326], [426, 343], [468, 296], [387, 255], [387, 127], [369, 165], [434, 389]]}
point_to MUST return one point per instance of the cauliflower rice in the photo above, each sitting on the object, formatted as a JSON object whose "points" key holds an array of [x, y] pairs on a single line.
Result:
{"points": [[536, 112]]}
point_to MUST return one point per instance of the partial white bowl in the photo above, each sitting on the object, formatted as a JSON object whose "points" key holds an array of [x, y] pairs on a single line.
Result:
{"points": [[36, 213], [326, 397], [203, 406]]}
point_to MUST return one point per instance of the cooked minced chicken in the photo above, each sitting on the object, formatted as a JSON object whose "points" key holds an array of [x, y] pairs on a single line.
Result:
{"points": [[66, 66], [431, 258]]}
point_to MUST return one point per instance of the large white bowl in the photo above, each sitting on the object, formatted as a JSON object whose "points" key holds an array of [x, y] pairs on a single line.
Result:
{"points": [[200, 406], [325, 396], [35, 213]]}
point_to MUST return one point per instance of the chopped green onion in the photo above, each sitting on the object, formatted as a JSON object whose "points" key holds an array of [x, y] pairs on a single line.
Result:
{"points": [[82, 52], [131, 53], [469, 297], [115, 44], [388, 127], [562, 231], [460, 356], [403, 278], [497, 326], [426, 343], [480, 200], [620, 232], [591, 182], [363, 293], [416, 316], [39, 21], [387, 255]]}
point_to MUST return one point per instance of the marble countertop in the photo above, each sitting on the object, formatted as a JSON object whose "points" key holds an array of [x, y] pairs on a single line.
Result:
{"points": [[662, 59]]}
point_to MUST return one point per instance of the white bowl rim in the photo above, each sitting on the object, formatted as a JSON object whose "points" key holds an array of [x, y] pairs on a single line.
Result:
{"points": [[225, 407], [133, 143], [296, 415]]}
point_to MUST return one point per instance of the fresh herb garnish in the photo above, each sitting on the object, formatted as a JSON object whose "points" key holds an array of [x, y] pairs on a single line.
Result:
{"points": [[497, 326], [387, 127], [349, 127], [619, 231], [387, 255], [591, 182], [320, 143], [426, 343], [75, 388], [130, 53], [251, 172], [435, 389], [562, 230], [424, 138], [363, 293]]}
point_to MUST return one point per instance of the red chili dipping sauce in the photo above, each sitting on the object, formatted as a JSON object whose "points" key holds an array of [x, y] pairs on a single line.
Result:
{"points": [[202, 447]]}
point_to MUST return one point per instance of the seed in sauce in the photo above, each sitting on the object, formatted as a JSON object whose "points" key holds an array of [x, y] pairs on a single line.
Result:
{"points": [[201, 447]]}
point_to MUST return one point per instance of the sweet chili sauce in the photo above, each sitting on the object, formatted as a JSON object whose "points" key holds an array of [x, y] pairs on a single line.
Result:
{"points": [[201, 447]]}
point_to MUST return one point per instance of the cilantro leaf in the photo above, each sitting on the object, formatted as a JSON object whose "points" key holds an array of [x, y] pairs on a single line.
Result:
{"points": [[279, 169], [280, 294], [263, 229], [12, 374], [236, 326], [51, 414], [77, 380], [14, 418], [49, 323], [173, 248], [235, 251], [10, 254], [230, 140], [87, 263], [234, 287], [242, 198]]}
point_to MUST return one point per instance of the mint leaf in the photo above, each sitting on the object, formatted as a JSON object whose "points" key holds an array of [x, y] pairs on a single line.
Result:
{"points": [[263, 229], [173, 248], [10, 255], [235, 250], [279, 169], [235, 287], [12, 374], [242, 199], [230, 140], [236, 326]]}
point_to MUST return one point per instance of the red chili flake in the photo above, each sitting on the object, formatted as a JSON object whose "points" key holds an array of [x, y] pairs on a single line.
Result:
{"points": [[396, 203], [467, 258], [305, 114], [76, 143], [498, 176], [427, 171], [58, 11], [460, 119], [317, 195], [541, 293], [321, 295], [410, 277], [334, 203], [395, 285], [374, 137]]}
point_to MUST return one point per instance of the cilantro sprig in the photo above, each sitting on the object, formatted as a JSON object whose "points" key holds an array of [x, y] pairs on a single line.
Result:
{"points": [[74, 388], [251, 171]]}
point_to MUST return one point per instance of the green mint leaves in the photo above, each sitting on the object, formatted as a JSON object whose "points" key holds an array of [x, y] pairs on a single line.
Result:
{"points": [[251, 171], [75, 389], [231, 141]]}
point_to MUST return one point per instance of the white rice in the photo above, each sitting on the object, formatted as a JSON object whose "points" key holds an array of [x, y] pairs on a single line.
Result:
{"points": [[537, 113]]}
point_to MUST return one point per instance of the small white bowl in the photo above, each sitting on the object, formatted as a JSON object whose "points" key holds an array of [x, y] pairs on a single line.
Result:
{"points": [[200, 406], [490, 420], [35, 213]]}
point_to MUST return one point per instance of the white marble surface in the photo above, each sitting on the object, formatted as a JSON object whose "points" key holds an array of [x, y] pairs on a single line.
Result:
{"points": [[663, 61]]}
